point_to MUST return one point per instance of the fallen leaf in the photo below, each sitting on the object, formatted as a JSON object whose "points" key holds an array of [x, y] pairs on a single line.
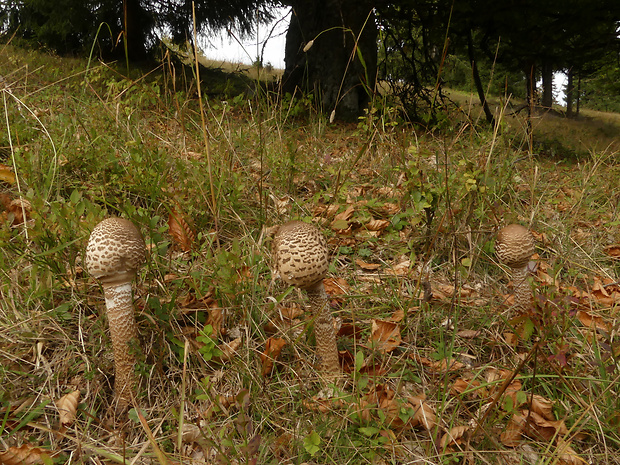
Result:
{"points": [[273, 348], [612, 250], [181, 231], [537, 427], [385, 335], [345, 215], [453, 436], [215, 319], [424, 414], [592, 321], [367, 266], [463, 385], [377, 225], [6, 174], [67, 407], [439, 366], [229, 349], [25, 455], [336, 286], [567, 455], [469, 333], [511, 436], [400, 269]]}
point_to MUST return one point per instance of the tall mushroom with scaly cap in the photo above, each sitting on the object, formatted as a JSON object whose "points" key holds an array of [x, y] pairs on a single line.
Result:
{"points": [[114, 253], [301, 259], [514, 246]]}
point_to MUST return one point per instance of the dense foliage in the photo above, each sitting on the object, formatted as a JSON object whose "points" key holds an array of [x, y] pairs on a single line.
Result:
{"points": [[424, 44]]}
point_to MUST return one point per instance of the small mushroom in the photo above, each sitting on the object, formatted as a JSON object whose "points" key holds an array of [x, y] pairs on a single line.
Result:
{"points": [[114, 253], [514, 246], [301, 259]]}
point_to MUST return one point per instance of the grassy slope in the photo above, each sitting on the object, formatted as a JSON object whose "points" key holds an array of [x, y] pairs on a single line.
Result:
{"points": [[422, 209]]}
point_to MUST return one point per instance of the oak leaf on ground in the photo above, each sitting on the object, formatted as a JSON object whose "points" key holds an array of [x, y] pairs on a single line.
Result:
{"points": [[273, 348], [25, 455], [67, 407]]}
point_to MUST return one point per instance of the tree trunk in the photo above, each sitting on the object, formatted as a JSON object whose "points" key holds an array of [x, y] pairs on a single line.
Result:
{"points": [[478, 82], [569, 93], [578, 93], [135, 27], [547, 82], [340, 66]]}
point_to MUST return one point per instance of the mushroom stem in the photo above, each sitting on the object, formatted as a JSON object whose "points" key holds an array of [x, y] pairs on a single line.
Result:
{"points": [[123, 332], [324, 332], [522, 289]]}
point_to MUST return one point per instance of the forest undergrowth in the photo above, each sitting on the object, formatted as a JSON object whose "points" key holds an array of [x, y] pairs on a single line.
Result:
{"points": [[437, 368]]}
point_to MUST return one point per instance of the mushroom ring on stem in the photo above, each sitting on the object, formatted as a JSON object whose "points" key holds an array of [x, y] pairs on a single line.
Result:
{"points": [[114, 253], [302, 259], [514, 246]]}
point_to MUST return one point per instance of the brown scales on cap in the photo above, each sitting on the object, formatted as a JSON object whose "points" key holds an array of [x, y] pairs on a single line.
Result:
{"points": [[114, 253], [301, 259], [514, 246]]}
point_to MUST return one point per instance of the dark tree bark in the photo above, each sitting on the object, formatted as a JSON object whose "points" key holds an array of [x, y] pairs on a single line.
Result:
{"points": [[341, 31], [569, 94], [136, 27], [547, 82], [478, 81]]}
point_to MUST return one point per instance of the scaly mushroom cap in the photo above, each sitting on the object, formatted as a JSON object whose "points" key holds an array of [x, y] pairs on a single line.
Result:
{"points": [[514, 245], [115, 251], [300, 254]]}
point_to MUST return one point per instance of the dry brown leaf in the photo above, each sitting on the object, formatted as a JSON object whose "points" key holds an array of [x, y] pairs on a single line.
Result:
{"points": [[229, 349], [399, 269], [25, 455], [181, 231], [377, 225], [424, 414], [439, 366], [567, 455], [273, 348], [613, 251], [336, 286], [326, 211], [323, 405], [453, 436], [469, 333], [190, 433], [291, 312], [397, 316], [462, 385], [6, 174], [15, 209], [367, 266], [345, 215], [592, 321], [511, 437], [537, 427], [385, 335], [67, 407], [215, 319]]}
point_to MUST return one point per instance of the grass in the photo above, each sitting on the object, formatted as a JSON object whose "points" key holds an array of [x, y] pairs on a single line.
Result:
{"points": [[416, 210]]}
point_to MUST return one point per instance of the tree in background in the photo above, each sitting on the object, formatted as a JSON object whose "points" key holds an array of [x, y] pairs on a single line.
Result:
{"points": [[71, 26], [331, 51], [331, 48]]}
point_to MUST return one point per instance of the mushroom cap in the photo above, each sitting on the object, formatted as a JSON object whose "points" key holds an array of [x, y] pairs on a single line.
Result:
{"points": [[115, 251], [514, 245], [300, 254]]}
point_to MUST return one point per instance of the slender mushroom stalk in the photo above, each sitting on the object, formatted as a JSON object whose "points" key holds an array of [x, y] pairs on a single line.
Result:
{"points": [[114, 253], [514, 246], [301, 259]]}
